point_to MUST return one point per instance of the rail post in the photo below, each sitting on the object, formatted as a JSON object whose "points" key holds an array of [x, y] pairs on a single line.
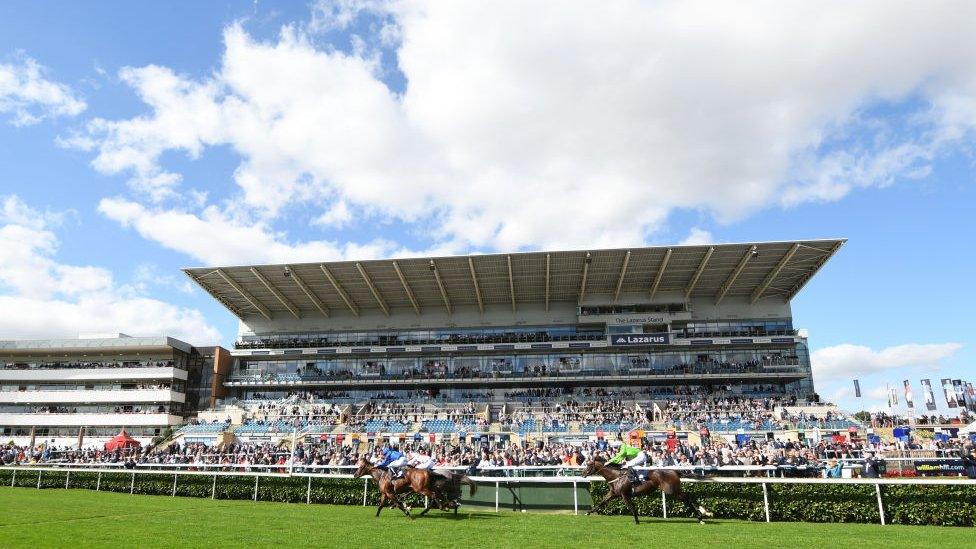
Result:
{"points": [[213, 489], [575, 499], [13, 478], [67, 478], [308, 492], [174, 484], [664, 505], [766, 500], [496, 496], [877, 490], [38, 479], [365, 482], [98, 483], [132, 485], [256, 487]]}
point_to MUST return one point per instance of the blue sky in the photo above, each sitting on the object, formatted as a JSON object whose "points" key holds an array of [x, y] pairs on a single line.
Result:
{"points": [[138, 139]]}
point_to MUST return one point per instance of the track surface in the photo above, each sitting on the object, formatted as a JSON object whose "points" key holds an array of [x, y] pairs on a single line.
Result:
{"points": [[81, 518]]}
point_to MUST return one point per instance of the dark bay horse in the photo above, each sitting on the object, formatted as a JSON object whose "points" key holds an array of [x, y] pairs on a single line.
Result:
{"points": [[621, 487], [438, 489], [443, 490], [385, 485]]}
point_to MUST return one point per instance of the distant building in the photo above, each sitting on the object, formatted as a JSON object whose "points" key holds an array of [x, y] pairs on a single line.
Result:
{"points": [[67, 392]]}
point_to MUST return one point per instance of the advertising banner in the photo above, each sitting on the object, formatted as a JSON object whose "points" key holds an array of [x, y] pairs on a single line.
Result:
{"points": [[933, 467], [929, 395], [949, 392], [909, 397], [640, 339]]}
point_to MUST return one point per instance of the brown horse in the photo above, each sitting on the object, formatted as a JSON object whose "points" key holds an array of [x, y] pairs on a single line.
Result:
{"points": [[442, 490], [621, 487], [385, 485]]}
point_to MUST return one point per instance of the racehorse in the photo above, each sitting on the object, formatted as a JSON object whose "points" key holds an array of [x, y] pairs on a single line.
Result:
{"points": [[621, 487], [385, 485], [444, 490]]}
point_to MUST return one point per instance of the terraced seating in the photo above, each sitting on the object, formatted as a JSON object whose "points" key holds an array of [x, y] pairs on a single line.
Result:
{"points": [[203, 428]]}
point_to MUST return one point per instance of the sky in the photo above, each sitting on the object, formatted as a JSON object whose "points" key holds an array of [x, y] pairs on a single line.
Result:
{"points": [[140, 138]]}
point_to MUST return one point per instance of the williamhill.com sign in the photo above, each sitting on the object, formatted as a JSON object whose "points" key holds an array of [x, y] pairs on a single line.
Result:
{"points": [[639, 339]]}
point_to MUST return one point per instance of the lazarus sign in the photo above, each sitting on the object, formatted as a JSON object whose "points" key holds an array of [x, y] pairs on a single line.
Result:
{"points": [[639, 339]]}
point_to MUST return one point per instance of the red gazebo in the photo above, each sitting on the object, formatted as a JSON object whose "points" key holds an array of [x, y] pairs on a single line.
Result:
{"points": [[121, 441]]}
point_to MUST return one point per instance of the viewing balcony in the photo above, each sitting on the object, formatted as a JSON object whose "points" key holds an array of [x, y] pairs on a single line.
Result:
{"points": [[89, 420], [92, 397], [68, 374]]}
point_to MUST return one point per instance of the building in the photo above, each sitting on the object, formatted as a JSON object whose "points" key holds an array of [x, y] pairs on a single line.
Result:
{"points": [[70, 392], [655, 321]]}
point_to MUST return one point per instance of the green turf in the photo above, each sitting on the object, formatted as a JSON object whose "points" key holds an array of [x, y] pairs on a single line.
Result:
{"points": [[81, 518]]}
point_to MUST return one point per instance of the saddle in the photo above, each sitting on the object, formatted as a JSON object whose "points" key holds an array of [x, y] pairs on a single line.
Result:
{"points": [[636, 477]]}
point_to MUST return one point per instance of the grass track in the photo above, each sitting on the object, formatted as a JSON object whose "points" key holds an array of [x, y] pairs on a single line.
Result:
{"points": [[81, 518]]}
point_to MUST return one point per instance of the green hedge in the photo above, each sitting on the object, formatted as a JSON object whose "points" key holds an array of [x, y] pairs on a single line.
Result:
{"points": [[278, 489], [943, 505], [940, 505]]}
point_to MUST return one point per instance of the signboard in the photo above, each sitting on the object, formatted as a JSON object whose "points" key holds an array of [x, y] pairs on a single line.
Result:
{"points": [[940, 467], [635, 319], [640, 339]]}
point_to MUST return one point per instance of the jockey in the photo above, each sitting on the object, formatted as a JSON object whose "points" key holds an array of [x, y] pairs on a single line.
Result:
{"points": [[420, 460], [393, 460], [635, 457]]}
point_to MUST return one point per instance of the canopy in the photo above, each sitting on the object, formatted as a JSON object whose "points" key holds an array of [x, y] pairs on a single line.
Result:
{"points": [[121, 441]]}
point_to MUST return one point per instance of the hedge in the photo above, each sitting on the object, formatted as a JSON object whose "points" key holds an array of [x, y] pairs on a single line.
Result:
{"points": [[334, 491], [937, 505], [942, 505]]}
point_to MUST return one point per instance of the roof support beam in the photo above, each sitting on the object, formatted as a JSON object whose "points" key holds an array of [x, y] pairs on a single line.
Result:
{"points": [[245, 294], [406, 287], [274, 291], [440, 285], [827, 254], [750, 253], [342, 293], [586, 272], [511, 281], [230, 307], [698, 273], [660, 272], [774, 273], [620, 280], [547, 283], [308, 291], [477, 289], [372, 288]]}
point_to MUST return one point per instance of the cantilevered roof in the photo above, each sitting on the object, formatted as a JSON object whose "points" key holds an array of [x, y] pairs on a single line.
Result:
{"points": [[756, 270]]}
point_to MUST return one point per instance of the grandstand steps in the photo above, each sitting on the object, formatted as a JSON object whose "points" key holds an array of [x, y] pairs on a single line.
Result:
{"points": [[574, 427], [495, 427]]}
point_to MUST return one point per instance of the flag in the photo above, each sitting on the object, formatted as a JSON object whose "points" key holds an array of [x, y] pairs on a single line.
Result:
{"points": [[929, 395], [971, 395], [857, 388], [892, 397], [950, 393], [960, 391], [909, 397]]}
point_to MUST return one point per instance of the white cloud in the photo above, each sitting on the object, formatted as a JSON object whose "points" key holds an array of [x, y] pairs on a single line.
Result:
{"points": [[849, 361], [588, 131], [216, 237], [29, 97], [696, 237], [43, 298]]}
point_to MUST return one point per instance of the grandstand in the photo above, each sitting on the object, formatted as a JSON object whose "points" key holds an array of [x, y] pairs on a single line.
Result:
{"points": [[522, 345], [81, 392]]}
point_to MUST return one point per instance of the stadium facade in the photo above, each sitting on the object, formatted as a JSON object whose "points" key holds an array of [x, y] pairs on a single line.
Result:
{"points": [[656, 321], [69, 392]]}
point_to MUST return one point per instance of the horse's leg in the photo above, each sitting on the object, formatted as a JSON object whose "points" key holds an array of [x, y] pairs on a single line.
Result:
{"points": [[380, 506], [699, 511], [402, 506], [610, 495], [629, 502]]}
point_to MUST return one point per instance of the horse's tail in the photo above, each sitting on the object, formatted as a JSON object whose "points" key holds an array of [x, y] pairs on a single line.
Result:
{"points": [[465, 479]]}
